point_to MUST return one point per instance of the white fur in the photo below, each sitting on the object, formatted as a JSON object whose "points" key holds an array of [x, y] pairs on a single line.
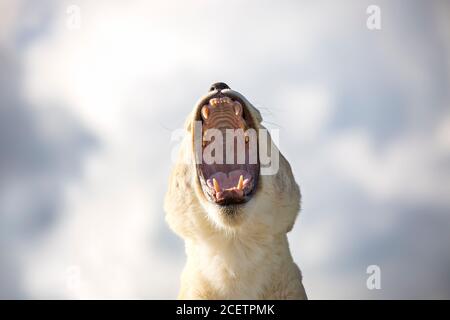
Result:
{"points": [[242, 256]]}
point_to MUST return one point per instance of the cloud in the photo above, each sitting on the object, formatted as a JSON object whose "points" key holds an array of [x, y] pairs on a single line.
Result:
{"points": [[38, 156]]}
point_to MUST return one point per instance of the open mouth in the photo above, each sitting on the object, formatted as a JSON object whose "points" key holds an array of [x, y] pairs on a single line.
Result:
{"points": [[230, 175]]}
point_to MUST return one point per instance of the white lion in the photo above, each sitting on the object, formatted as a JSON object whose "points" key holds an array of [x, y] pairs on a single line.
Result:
{"points": [[233, 219]]}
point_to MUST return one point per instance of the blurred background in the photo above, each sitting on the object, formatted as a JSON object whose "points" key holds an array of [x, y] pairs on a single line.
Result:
{"points": [[91, 92]]}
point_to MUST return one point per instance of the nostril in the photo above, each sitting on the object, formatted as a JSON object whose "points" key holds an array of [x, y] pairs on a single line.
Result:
{"points": [[219, 86]]}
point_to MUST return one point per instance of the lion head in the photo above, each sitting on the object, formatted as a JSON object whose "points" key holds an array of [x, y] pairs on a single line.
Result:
{"points": [[229, 186]]}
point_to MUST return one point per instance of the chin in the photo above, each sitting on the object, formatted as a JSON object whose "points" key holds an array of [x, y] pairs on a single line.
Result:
{"points": [[228, 216]]}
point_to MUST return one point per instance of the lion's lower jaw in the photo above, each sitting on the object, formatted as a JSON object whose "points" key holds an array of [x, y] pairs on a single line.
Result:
{"points": [[239, 269]]}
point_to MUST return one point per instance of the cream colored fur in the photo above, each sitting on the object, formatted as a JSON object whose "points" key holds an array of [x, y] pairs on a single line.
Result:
{"points": [[243, 256]]}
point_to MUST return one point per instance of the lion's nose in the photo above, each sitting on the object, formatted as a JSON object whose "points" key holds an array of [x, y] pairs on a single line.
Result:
{"points": [[219, 86]]}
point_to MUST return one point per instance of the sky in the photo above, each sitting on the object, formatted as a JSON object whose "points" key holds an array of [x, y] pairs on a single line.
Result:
{"points": [[91, 94]]}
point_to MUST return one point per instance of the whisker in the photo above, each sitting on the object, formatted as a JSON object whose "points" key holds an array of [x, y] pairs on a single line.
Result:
{"points": [[165, 127], [273, 123]]}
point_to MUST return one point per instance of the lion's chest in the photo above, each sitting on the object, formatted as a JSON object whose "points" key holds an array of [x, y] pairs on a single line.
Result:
{"points": [[236, 271]]}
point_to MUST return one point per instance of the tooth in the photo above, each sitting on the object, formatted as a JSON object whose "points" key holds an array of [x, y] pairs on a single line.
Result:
{"points": [[240, 184], [237, 109], [205, 112], [216, 185]]}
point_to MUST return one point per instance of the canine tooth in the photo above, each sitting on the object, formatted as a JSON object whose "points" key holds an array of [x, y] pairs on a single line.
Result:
{"points": [[216, 185], [240, 184], [205, 112], [237, 109]]}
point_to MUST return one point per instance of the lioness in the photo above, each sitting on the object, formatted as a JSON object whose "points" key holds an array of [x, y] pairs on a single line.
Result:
{"points": [[233, 218]]}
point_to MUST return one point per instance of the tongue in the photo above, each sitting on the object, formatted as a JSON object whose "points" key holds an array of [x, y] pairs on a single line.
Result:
{"points": [[228, 181]]}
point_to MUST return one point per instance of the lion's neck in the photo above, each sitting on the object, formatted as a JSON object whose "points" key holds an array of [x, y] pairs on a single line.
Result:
{"points": [[237, 266]]}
